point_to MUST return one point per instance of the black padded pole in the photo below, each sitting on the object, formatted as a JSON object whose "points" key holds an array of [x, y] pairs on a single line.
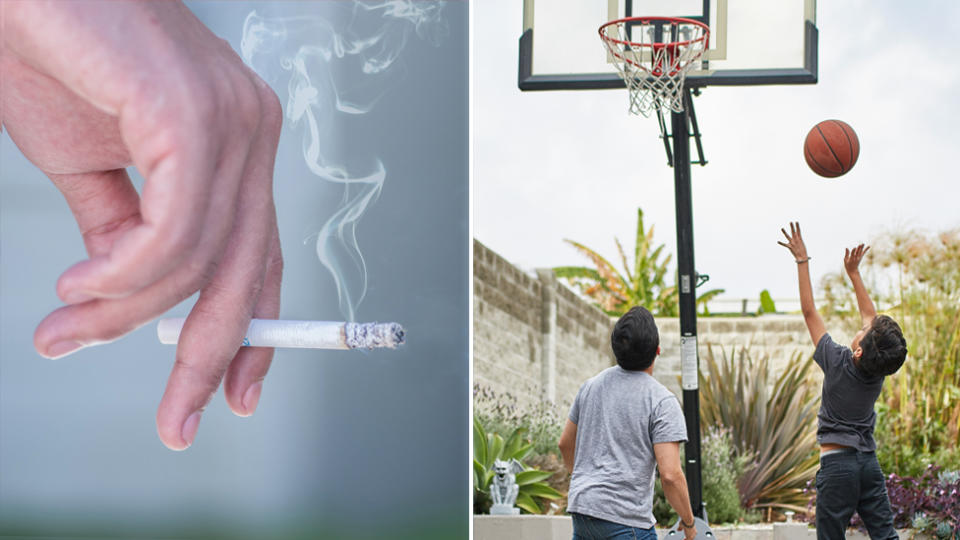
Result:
{"points": [[688, 304]]}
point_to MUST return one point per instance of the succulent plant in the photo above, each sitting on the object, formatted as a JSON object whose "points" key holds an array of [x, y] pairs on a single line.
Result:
{"points": [[920, 521], [949, 477]]}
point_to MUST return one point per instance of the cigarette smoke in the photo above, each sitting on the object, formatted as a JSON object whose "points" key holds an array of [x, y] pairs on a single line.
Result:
{"points": [[335, 71]]}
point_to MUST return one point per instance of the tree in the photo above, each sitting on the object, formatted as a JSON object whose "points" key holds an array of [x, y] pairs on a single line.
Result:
{"points": [[615, 292]]}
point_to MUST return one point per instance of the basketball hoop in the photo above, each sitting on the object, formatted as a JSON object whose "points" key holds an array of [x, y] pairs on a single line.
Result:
{"points": [[653, 56]]}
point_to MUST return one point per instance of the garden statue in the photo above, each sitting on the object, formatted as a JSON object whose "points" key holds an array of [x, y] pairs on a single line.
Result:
{"points": [[504, 488]]}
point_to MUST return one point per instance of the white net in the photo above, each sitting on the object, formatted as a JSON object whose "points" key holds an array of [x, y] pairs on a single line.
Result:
{"points": [[653, 57]]}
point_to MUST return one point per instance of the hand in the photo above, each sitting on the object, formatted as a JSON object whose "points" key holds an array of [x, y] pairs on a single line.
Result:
{"points": [[92, 88], [795, 242], [852, 258], [689, 534]]}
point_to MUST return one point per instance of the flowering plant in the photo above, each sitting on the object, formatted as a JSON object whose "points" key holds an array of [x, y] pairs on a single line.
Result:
{"points": [[929, 503]]}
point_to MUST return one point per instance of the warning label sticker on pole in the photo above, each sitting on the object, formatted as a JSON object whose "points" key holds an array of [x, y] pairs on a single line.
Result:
{"points": [[688, 363]]}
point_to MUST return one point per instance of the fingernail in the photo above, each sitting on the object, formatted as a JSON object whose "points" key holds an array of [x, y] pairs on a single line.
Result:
{"points": [[252, 397], [76, 297], [62, 348], [189, 429]]}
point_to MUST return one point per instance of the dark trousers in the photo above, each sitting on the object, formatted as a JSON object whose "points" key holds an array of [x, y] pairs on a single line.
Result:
{"points": [[591, 528], [851, 481]]}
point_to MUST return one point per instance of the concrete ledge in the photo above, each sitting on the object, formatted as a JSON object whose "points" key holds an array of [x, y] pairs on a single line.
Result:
{"points": [[527, 527], [522, 527]]}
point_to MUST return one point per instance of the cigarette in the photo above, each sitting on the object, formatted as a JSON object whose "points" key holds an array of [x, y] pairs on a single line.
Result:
{"points": [[304, 334]]}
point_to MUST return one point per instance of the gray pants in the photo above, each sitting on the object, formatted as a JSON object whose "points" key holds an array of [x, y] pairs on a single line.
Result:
{"points": [[850, 481]]}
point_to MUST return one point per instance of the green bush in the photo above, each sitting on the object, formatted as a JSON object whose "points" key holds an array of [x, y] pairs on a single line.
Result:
{"points": [[719, 473], [766, 302], [721, 469]]}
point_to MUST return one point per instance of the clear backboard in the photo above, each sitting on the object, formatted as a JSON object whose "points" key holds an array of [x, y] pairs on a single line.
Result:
{"points": [[752, 42]]}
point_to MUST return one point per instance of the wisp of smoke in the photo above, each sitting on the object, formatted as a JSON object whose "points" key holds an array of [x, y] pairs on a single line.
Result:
{"points": [[339, 69]]}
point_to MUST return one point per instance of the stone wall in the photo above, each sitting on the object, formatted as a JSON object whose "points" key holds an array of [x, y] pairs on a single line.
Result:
{"points": [[532, 336], [535, 338]]}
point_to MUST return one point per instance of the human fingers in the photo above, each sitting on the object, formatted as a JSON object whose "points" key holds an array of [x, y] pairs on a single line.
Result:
{"points": [[244, 379], [175, 206], [213, 331], [855, 254], [103, 320], [105, 205], [187, 127], [171, 95], [65, 330], [211, 335], [787, 236]]}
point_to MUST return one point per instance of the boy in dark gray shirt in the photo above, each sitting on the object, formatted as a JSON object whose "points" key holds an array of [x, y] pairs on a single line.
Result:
{"points": [[849, 478]]}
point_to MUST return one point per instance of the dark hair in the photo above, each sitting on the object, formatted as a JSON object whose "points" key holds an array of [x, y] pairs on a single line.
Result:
{"points": [[883, 347], [635, 339]]}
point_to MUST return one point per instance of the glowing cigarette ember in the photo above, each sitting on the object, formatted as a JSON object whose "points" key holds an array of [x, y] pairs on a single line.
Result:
{"points": [[304, 334]]}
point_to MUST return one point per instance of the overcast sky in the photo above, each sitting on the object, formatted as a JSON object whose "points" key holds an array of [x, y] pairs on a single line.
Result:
{"points": [[555, 165]]}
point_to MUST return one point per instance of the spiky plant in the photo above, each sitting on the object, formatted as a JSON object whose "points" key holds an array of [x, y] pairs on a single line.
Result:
{"points": [[771, 418], [645, 285]]}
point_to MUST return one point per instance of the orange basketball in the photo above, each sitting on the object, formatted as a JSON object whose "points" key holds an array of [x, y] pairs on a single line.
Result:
{"points": [[831, 148]]}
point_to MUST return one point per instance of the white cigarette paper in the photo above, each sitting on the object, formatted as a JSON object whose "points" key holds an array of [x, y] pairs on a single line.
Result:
{"points": [[304, 334]]}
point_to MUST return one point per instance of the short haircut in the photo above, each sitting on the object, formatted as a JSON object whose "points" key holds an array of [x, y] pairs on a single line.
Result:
{"points": [[635, 339], [883, 347]]}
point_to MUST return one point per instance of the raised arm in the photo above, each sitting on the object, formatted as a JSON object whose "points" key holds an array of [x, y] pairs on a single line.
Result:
{"points": [[851, 262], [799, 251]]}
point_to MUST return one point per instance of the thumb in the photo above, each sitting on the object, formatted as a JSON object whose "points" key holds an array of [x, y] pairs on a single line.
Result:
{"points": [[104, 203]]}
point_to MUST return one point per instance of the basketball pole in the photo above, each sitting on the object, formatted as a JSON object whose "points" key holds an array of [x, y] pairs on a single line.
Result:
{"points": [[689, 360]]}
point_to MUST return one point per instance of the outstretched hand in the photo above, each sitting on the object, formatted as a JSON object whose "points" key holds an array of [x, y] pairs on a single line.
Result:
{"points": [[852, 258], [795, 242], [92, 88]]}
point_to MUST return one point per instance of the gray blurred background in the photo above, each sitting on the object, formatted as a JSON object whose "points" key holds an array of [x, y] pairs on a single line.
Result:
{"points": [[343, 444]]}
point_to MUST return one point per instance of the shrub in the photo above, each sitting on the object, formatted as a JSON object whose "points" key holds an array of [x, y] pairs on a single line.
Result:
{"points": [[500, 412], [720, 470], [771, 419]]}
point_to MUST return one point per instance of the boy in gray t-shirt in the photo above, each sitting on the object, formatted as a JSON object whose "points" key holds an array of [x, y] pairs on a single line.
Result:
{"points": [[849, 478], [624, 424]]}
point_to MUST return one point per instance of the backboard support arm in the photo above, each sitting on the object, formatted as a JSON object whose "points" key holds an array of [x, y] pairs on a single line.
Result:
{"points": [[694, 129]]}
